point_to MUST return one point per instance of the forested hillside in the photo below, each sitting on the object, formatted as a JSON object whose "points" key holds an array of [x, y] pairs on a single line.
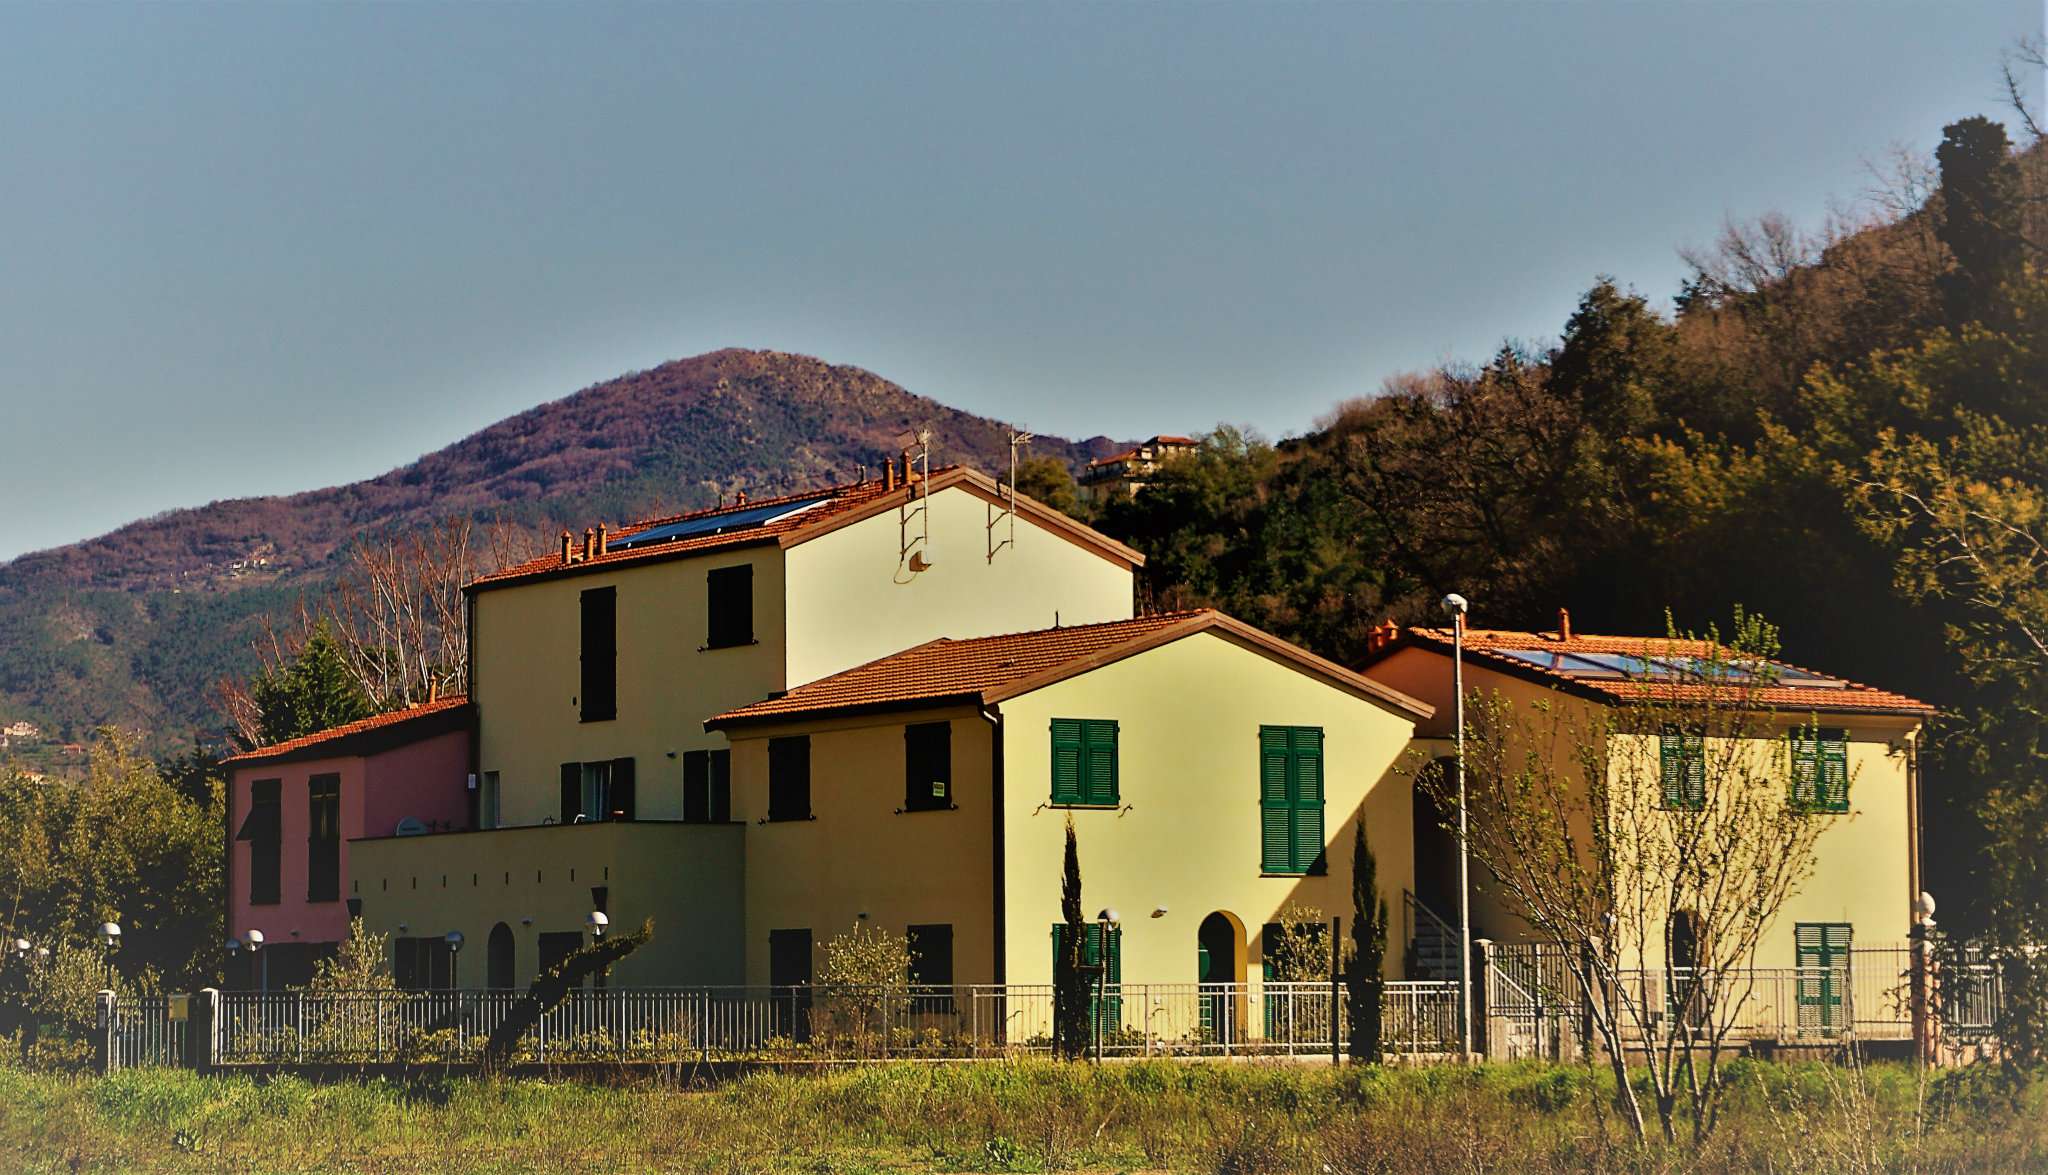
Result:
{"points": [[135, 627], [1844, 429]]}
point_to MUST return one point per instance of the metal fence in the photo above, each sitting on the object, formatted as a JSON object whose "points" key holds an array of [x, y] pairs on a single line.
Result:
{"points": [[1533, 999], [722, 1023], [142, 1031]]}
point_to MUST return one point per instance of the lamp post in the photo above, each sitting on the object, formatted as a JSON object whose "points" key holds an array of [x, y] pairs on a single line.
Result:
{"points": [[1105, 920], [1456, 605], [110, 935], [596, 922], [454, 940], [254, 941]]}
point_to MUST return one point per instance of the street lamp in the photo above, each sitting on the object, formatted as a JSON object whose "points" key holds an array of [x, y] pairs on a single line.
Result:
{"points": [[254, 941], [454, 940], [1456, 605], [110, 934], [20, 946], [1104, 921], [596, 922]]}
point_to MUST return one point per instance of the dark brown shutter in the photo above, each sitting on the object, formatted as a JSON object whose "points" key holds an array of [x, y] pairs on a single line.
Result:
{"points": [[623, 799], [572, 792]]}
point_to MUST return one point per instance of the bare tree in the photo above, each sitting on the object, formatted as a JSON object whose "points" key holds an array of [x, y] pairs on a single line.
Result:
{"points": [[1614, 850]]}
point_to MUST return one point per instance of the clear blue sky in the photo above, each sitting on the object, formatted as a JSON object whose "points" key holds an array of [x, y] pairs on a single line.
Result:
{"points": [[256, 249]]}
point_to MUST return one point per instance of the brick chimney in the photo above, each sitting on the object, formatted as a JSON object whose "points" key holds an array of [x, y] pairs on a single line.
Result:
{"points": [[739, 498], [600, 538], [1379, 636], [568, 548], [889, 474], [589, 544], [1564, 624]]}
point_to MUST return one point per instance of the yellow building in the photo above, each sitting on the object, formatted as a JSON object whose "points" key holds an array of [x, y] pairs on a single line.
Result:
{"points": [[1864, 741], [593, 668], [1213, 774]]}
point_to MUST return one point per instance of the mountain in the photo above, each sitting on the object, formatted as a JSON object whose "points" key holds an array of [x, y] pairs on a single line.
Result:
{"points": [[134, 626]]}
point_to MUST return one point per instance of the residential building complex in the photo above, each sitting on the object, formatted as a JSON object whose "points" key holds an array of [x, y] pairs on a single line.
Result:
{"points": [[882, 705]]}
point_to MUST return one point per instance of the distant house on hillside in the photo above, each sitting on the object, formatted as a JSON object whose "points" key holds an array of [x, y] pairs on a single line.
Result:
{"points": [[20, 731], [1123, 474]]}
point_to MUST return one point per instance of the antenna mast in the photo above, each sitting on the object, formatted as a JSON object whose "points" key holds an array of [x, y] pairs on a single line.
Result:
{"points": [[1008, 510]]}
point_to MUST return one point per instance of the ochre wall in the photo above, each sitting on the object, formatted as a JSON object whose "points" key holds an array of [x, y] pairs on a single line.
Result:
{"points": [[849, 602], [527, 645], [1862, 861], [684, 876], [1187, 837], [861, 853]]}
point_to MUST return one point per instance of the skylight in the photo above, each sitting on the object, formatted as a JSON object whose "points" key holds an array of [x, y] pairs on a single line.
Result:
{"points": [[709, 524]]}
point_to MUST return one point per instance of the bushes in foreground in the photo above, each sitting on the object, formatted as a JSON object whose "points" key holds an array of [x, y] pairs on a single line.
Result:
{"points": [[1026, 1116]]}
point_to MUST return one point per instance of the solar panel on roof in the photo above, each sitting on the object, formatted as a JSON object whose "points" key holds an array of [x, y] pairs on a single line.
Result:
{"points": [[710, 524]]}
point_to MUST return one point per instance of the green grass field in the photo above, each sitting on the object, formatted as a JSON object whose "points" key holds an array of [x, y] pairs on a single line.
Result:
{"points": [[1035, 1116]]}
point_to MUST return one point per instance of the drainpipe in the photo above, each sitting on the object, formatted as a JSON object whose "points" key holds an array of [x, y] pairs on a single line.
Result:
{"points": [[994, 715]]}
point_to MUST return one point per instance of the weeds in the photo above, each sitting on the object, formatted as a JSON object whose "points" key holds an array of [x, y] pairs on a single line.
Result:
{"points": [[1015, 1117]]}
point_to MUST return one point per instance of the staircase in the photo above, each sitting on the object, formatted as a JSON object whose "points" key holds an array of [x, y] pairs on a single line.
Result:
{"points": [[1435, 941]]}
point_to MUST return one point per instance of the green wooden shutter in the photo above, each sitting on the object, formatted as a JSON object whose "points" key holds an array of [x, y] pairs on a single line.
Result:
{"points": [[1066, 761], [1805, 770], [1276, 835], [1099, 785], [1822, 950], [1832, 792], [1305, 778], [1682, 768]]}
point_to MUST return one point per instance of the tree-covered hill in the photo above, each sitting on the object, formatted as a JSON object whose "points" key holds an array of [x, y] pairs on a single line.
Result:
{"points": [[135, 626]]}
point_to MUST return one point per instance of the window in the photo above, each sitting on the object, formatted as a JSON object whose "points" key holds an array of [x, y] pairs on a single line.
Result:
{"points": [[789, 778], [1682, 767], [927, 766], [707, 787], [487, 801], [603, 790], [1820, 770], [556, 945], [1084, 767], [323, 838], [263, 829], [1823, 956], [931, 967], [422, 963], [1092, 961], [600, 695], [1291, 799], [730, 610]]}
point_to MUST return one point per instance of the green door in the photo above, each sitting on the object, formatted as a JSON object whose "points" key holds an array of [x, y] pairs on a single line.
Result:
{"points": [[1823, 955]]}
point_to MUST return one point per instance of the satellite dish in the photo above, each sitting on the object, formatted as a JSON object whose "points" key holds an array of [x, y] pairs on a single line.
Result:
{"points": [[410, 826]]}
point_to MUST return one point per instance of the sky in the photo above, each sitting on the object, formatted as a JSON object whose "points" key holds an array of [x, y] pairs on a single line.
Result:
{"points": [[259, 249]]}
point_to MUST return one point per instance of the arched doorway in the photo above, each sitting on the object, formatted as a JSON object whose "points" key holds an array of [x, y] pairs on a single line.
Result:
{"points": [[1219, 966], [498, 958]]}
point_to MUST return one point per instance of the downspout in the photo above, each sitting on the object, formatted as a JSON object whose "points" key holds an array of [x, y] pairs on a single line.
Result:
{"points": [[1913, 822], [476, 712], [994, 715]]}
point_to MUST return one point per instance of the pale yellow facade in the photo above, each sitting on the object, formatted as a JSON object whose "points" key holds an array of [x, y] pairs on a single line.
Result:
{"points": [[850, 601], [686, 877], [1864, 870], [1184, 839], [824, 605]]}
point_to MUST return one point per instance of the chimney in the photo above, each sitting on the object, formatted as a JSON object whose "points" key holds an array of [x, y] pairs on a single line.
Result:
{"points": [[600, 538], [1381, 635], [907, 476], [568, 548], [739, 498], [1564, 625], [589, 544], [889, 474]]}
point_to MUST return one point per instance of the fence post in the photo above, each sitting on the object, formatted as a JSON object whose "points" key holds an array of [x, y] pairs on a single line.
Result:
{"points": [[104, 1057], [202, 1043], [1483, 996], [1923, 1020]]}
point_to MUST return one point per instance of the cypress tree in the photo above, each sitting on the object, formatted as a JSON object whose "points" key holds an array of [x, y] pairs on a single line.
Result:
{"points": [[1069, 979], [1364, 984]]}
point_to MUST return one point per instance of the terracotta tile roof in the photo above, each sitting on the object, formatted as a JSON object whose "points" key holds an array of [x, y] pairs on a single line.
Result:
{"points": [[1796, 688], [1132, 453], [331, 740], [810, 513], [986, 670]]}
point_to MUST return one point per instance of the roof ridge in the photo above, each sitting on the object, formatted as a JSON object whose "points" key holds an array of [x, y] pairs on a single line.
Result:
{"points": [[367, 722], [1175, 614]]}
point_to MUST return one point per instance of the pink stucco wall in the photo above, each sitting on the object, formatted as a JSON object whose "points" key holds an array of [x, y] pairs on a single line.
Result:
{"points": [[426, 779]]}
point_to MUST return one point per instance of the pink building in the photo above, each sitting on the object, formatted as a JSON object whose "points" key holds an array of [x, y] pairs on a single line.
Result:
{"points": [[293, 808]]}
